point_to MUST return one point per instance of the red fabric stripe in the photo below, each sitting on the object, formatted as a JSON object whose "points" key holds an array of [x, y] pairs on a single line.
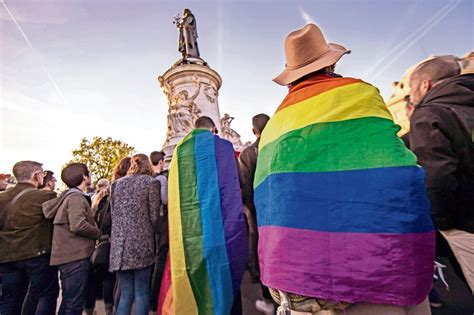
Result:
{"points": [[165, 287]]}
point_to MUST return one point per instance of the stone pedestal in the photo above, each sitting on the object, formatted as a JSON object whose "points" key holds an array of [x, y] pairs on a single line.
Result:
{"points": [[192, 91]]}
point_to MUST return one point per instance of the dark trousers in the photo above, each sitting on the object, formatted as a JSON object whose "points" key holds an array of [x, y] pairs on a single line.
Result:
{"points": [[237, 306], [33, 276], [157, 276], [74, 276], [443, 250], [100, 277]]}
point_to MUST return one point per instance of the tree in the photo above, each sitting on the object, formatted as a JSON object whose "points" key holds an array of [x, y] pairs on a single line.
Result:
{"points": [[101, 155]]}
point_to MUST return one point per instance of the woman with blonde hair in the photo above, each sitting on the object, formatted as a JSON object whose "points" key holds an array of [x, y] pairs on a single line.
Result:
{"points": [[135, 211]]}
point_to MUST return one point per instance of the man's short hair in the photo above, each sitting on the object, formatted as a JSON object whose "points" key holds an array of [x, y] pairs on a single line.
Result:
{"points": [[73, 174], [437, 69], [204, 122], [156, 157], [47, 178], [24, 170], [259, 122]]}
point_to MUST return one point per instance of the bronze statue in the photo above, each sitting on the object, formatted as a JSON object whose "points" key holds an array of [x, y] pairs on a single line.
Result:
{"points": [[187, 35]]}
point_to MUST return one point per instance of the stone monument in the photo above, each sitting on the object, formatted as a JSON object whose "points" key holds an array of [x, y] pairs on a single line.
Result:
{"points": [[192, 90]]}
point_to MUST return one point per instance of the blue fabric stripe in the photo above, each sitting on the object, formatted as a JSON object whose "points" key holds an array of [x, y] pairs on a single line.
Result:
{"points": [[214, 243], [379, 200]]}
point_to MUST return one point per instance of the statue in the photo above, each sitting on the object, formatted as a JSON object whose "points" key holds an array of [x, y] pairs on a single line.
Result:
{"points": [[183, 112], [187, 45], [225, 125], [230, 134]]}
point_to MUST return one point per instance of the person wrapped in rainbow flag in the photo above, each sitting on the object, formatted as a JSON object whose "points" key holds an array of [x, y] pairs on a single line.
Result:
{"points": [[208, 238], [342, 211]]}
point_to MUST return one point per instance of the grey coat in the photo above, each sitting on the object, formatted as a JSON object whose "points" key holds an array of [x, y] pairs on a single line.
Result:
{"points": [[135, 211]]}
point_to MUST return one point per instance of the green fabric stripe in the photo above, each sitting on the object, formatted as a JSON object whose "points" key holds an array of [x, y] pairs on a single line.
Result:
{"points": [[361, 143], [191, 227]]}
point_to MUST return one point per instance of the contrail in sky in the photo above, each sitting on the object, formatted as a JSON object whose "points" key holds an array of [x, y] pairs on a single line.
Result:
{"points": [[50, 78], [410, 40], [423, 32], [306, 17], [220, 35]]}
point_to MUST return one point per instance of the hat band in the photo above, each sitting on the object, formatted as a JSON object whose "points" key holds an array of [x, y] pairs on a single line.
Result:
{"points": [[307, 62]]}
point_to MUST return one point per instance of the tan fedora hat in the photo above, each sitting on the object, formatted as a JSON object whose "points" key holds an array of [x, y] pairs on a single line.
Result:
{"points": [[307, 51]]}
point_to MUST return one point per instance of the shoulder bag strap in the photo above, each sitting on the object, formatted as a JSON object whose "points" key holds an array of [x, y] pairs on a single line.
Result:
{"points": [[15, 199]]}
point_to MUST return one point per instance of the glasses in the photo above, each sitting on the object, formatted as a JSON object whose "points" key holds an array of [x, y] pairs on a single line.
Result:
{"points": [[41, 173]]}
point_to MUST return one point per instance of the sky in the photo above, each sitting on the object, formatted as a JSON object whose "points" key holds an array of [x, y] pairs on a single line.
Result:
{"points": [[73, 69]]}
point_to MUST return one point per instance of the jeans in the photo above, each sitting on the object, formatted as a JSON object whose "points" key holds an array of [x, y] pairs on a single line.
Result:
{"points": [[74, 277], [28, 286], [134, 286]]}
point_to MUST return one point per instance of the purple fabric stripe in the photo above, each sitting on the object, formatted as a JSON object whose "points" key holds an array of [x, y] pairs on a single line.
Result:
{"points": [[353, 267], [232, 210]]}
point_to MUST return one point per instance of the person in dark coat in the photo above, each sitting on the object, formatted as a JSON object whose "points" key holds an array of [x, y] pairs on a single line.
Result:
{"points": [[99, 275], [25, 245], [135, 211], [442, 137], [247, 165], [157, 159]]}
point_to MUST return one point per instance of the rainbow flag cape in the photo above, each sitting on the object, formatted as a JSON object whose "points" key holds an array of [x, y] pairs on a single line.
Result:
{"points": [[208, 237], [341, 205]]}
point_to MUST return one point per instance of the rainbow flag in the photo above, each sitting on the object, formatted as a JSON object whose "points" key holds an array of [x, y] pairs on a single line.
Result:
{"points": [[208, 237], [341, 204]]}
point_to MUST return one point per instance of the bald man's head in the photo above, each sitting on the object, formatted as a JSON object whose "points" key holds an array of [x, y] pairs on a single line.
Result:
{"points": [[428, 74]]}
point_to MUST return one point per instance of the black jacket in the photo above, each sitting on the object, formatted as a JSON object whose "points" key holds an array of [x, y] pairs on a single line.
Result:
{"points": [[442, 137], [247, 166]]}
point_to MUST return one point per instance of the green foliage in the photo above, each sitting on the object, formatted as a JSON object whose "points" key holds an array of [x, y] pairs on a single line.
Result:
{"points": [[101, 155]]}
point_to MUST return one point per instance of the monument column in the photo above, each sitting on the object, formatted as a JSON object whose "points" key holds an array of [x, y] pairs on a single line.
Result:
{"points": [[190, 86], [192, 91]]}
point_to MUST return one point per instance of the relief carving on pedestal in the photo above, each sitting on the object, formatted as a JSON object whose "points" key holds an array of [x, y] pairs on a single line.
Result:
{"points": [[182, 111]]}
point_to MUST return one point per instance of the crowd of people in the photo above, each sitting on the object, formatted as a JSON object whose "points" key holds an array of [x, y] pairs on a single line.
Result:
{"points": [[329, 210]]}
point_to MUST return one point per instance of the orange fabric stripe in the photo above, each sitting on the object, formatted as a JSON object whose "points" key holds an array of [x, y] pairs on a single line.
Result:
{"points": [[307, 89], [168, 308]]}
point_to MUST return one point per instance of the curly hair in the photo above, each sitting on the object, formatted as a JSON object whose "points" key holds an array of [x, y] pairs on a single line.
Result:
{"points": [[140, 165], [121, 169]]}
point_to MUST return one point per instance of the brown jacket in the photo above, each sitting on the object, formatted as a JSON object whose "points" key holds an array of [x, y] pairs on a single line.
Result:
{"points": [[24, 232], [75, 230]]}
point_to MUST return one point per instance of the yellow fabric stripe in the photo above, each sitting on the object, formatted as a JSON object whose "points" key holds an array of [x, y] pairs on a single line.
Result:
{"points": [[342, 103], [183, 297]]}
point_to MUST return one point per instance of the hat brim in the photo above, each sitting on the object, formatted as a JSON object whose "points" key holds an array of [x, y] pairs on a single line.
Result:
{"points": [[334, 53]]}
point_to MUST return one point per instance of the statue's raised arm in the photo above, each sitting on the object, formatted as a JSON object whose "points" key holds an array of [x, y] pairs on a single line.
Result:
{"points": [[187, 35]]}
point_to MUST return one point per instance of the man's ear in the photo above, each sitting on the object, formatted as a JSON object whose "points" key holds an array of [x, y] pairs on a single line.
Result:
{"points": [[255, 132], [425, 86]]}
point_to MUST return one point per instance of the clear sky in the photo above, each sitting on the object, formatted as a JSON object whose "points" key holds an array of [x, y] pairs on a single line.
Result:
{"points": [[72, 69]]}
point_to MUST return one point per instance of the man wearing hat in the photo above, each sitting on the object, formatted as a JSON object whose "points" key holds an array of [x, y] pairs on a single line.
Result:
{"points": [[342, 211]]}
